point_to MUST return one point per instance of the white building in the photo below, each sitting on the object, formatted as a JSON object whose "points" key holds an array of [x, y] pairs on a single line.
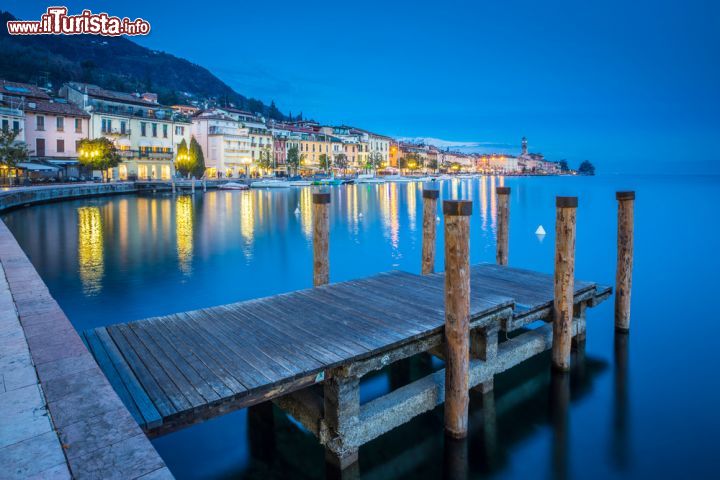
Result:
{"points": [[146, 133], [224, 142]]}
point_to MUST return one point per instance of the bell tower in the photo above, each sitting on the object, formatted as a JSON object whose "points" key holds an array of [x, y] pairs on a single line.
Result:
{"points": [[524, 146]]}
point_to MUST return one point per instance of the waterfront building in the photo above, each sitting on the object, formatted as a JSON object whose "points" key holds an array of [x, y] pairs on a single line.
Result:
{"points": [[225, 144], [261, 139], [53, 130], [51, 127], [145, 132], [12, 98]]}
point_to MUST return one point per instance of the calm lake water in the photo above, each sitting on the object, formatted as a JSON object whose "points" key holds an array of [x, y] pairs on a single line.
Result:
{"points": [[645, 407]]}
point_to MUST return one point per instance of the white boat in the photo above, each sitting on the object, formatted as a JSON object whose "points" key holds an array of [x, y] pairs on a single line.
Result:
{"points": [[270, 183], [233, 186], [422, 179], [368, 178], [398, 179], [300, 183]]}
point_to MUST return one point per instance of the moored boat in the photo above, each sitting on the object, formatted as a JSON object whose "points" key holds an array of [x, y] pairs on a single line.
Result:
{"points": [[233, 186], [368, 178], [270, 183]]}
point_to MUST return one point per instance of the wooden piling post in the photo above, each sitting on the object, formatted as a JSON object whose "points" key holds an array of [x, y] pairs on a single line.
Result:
{"points": [[192, 186], [172, 184], [564, 281], [623, 274], [457, 315], [503, 224], [429, 230], [321, 234], [204, 184]]}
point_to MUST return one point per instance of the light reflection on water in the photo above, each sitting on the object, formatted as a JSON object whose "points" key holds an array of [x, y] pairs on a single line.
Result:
{"points": [[116, 259]]}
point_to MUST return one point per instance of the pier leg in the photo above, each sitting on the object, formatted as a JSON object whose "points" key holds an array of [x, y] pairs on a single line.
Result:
{"points": [[564, 281], [457, 315], [623, 275], [342, 408], [484, 345], [503, 224], [579, 314], [321, 234], [429, 230]]}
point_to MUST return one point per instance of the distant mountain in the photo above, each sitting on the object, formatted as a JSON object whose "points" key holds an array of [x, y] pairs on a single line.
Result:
{"points": [[115, 63]]}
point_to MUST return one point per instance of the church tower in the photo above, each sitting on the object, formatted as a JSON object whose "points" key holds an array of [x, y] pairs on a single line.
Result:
{"points": [[524, 146]]}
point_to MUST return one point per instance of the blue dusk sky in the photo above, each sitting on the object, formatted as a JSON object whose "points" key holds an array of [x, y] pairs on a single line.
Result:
{"points": [[631, 86]]}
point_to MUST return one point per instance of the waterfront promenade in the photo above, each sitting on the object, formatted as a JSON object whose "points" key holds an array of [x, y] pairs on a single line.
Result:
{"points": [[60, 417]]}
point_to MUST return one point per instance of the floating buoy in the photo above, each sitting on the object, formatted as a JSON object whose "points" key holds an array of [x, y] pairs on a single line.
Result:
{"points": [[297, 211], [540, 230], [360, 214], [437, 219]]}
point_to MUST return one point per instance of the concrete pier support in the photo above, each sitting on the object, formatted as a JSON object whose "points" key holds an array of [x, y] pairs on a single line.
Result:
{"points": [[342, 408]]}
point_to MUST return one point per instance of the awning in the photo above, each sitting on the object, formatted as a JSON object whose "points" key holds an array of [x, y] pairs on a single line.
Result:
{"points": [[37, 167], [123, 142]]}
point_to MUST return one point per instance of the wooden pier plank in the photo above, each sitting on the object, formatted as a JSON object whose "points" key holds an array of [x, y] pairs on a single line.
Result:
{"points": [[103, 360], [162, 378], [151, 415], [162, 402], [183, 340], [204, 374], [186, 378]]}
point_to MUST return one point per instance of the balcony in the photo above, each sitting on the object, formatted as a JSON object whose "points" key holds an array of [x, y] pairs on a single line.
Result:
{"points": [[127, 154], [116, 132]]}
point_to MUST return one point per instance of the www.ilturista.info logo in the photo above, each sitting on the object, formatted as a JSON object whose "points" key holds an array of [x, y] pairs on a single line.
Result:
{"points": [[56, 21]]}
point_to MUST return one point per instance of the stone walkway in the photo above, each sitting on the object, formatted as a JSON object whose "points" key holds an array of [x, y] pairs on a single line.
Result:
{"points": [[29, 446], [59, 416]]}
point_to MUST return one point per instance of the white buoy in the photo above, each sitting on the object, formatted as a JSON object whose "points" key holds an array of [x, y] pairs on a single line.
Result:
{"points": [[360, 214], [297, 211], [540, 230], [437, 219]]}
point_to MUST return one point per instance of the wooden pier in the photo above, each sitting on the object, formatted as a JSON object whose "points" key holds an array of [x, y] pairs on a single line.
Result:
{"points": [[181, 369]]}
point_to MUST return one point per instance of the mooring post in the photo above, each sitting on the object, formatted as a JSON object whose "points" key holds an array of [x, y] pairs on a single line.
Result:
{"points": [[172, 184], [457, 315], [204, 183], [321, 234], [192, 186], [429, 230], [503, 224], [564, 281], [623, 275]]}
